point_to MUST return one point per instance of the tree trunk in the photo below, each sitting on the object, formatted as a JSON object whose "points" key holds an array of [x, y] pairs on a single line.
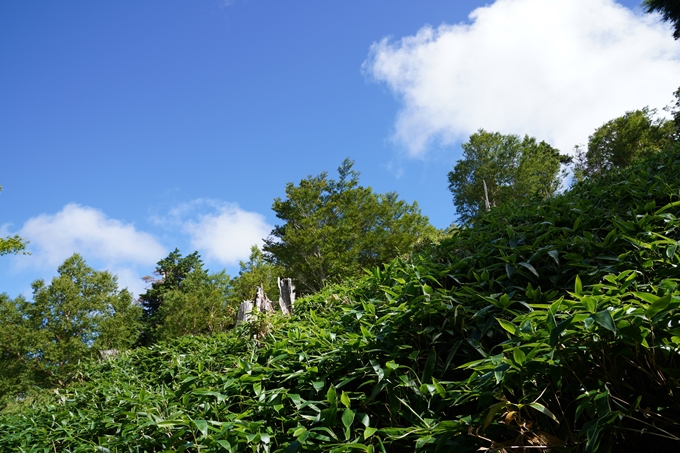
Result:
{"points": [[262, 302], [264, 305], [108, 353], [487, 205], [287, 295], [244, 312]]}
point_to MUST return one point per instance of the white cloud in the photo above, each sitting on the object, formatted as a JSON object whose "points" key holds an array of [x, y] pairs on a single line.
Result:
{"points": [[226, 234], [89, 232], [130, 278], [552, 69], [105, 243], [220, 231]]}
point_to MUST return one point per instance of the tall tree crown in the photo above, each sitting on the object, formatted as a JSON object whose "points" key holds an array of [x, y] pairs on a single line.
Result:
{"points": [[334, 228], [511, 169]]}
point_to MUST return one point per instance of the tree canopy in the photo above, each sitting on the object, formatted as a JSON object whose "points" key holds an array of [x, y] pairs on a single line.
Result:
{"points": [[171, 270], [200, 306], [334, 228], [185, 300], [510, 167], [80, 312], [617, 143], [257, 271], [669, 9]]}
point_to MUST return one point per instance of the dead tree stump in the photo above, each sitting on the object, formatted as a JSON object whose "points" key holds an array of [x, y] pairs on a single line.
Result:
{"points": [[244, 311], [287, 295], [108, 353], [264, 305], [262, 302]]}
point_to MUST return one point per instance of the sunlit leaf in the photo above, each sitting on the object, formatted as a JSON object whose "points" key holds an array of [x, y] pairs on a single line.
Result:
{"points": [[542, 409], [658, 306], [518, 356], [604, 318], [530, 267], [508, 326], [578, 286], [344, 399], [347, 418]]}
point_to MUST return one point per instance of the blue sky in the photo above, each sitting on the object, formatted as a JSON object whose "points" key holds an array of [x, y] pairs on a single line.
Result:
{"points": [[130, 128]]}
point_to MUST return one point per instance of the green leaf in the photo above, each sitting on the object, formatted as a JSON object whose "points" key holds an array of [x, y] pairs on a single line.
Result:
{"points": [[331, 395], [667, 207], [530, 267], [590, 303], [202, 426], [649, 298], [659, 305], [493, 410], [429, 366], [593, 437], [509, 270], [583, 405], [441, 391], [604, 318], [577, 223], [578, 286], [365, 420], [518, 356], [451, 355], [344, 399], [557, 330], [544, 410], [611, 238], [670, 250], [296, 399], [378, 369], [392, 365], [225, 444], [368, 432], [356, 446], [171, 423], [510, 327], [347, 418]]}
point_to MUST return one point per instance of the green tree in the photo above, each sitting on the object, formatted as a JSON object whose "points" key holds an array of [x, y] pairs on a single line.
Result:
{"points": [[511, 169], [185, 300], [199, 307], [12, 244], [79, 313], [257, 271], [669, 9], [674, 110], [333, 229], [172, 271], [619, 142]]}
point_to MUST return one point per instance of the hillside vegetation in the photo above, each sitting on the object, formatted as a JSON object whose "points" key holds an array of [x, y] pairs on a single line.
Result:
{"points": [[552, 324]]}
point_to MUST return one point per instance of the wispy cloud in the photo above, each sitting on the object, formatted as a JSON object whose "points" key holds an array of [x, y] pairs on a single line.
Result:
{"points": [[220, 231], [553, 69], [104, 242]]}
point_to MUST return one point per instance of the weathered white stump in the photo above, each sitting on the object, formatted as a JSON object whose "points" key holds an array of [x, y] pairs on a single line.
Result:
{"points": [[264, 305], [244, 311], [287, 295]]}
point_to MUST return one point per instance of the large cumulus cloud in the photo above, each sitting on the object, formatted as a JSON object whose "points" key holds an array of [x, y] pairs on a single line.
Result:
{"points": [[553, 69]]}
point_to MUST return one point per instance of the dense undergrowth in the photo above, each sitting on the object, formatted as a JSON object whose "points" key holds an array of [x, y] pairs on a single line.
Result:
{"points": [[551, 324]]}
